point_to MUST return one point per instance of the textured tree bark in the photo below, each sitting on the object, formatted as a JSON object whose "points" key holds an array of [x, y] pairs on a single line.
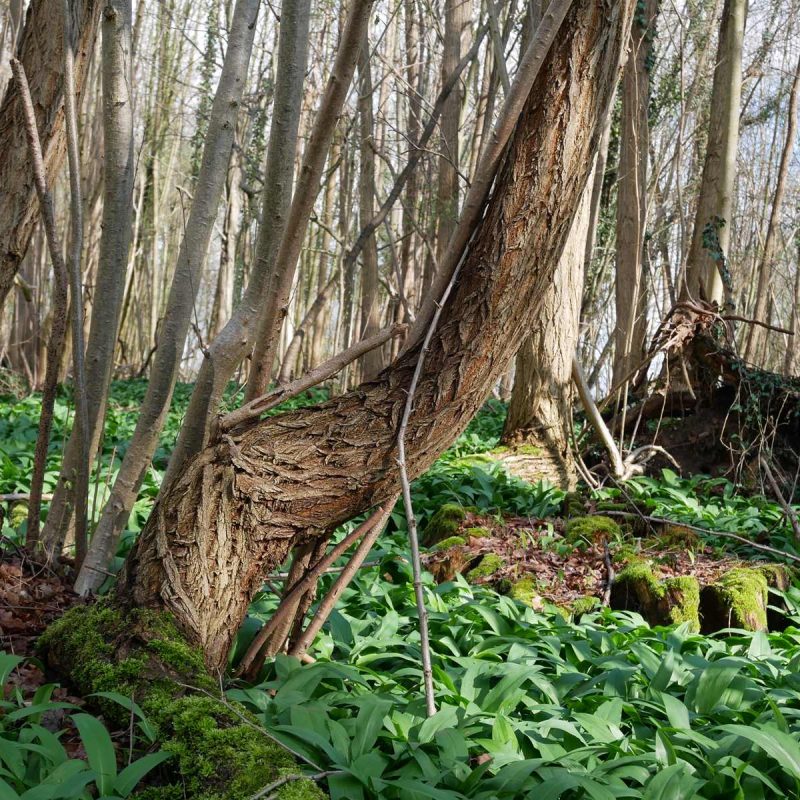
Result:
{"points": [[703, 279], [41, 51], [630, 285], [540, 411], [243, 502]]}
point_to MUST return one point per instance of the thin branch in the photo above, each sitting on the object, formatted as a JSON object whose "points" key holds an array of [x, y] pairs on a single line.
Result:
{"points": [[260, 405], [328, 602], [76, 290], [725, 534], [311, 576], [787, 508]]}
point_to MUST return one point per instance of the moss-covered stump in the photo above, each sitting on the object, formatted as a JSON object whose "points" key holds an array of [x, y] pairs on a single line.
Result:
{"points": [[444, 524], [638, 588], [450, 558], [736, 600], [488, 566], [218, 751], [592, 529]]}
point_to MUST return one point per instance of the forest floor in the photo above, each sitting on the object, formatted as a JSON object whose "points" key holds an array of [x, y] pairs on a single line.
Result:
{"points": [[573, 648]]}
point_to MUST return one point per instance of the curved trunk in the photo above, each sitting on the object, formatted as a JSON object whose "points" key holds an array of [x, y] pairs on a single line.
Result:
{"points": [[243, 502]]}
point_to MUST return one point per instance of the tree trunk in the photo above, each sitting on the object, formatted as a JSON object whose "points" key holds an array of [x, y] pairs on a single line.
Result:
{"points": [[715, 204], [243, 502], [540, 411], [114, 246], [457, 15], [630, 285], [756, 337], [182, 295], [372, 362], [41, 51]]}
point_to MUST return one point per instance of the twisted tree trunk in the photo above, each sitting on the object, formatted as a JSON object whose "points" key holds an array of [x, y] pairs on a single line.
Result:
{"points": [[245, 500]]}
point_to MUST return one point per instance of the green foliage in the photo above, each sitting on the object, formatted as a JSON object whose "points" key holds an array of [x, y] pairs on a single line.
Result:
{"points": [[708, 503], [18, 431], [34, 763], [529, 703], [217, 750]]}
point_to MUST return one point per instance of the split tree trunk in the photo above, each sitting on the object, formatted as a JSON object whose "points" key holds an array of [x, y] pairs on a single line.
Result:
{"points": [[243, 502]]}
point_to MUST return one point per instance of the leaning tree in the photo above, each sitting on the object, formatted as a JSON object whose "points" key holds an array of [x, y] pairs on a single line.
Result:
{"points": [[264, 486]]}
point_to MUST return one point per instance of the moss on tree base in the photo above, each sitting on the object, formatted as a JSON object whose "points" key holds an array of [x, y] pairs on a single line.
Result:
{"points": [[218, 751]]}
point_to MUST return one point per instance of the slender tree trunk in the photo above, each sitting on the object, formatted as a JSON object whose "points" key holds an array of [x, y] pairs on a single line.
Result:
{"points": [[180, 305], [457, 15], [715, 204], [631, 284], [540, 411], [791, 363], [41, 52], [115, 244], [372, 362], [243, 502], [757, 335], [285, 256]]}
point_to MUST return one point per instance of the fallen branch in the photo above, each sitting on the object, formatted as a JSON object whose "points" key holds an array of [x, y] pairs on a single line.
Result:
{"points": [[260, 405], [610, 575], [725, 534]]}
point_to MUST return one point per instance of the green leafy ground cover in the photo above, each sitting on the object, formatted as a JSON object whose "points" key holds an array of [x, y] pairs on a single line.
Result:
{"points": [[531, 705]]}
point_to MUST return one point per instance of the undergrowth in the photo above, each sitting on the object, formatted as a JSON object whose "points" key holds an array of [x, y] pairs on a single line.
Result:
{"points": [[530, 704]]}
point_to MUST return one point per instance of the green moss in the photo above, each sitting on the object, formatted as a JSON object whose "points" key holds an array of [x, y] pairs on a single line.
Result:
{"points": [[639, 572], [683, 599], [778, 576], [451, 541], [583, 605], [446, 522], [489, 564], [218, 752], [478, 533], [592, 529], [525, 591], [573, 505], [743, 591], [610, 505], [527, 450], [680, 537]]}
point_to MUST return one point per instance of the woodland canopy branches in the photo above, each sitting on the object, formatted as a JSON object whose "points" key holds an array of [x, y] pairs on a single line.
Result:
{"points": [[399, 399]]}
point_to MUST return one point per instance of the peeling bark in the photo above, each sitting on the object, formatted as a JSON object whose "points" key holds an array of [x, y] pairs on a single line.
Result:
{"points": [[244, 501]]}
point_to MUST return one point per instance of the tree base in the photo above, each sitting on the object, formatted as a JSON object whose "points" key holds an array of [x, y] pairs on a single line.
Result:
{"points": [[218, 750]]}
